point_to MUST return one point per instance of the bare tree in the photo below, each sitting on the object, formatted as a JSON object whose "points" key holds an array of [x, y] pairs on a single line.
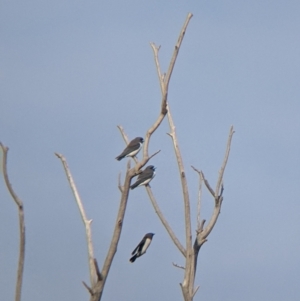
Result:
{"points": [[19, 204], [191, 250], [98, 277]]}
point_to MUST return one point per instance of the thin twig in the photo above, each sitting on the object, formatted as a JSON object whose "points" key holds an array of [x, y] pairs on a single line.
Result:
{"points": [[119, 183], [207, 185], [99, 275], [199, 197], [19, 203], [178, 266], [88, 288], [196, 290], [221, 172], [176, 50], [86, 222], [124, 136], [154, 154], [160, 76], [202, 225]]}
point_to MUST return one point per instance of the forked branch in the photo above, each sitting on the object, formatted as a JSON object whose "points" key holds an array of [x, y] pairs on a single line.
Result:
{"points": [[19, 204], [164, 84], [217, 193]]}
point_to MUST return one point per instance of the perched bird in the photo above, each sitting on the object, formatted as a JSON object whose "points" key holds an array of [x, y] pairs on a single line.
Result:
{"points": [[144, 177], [132, 148], [141, 247]]}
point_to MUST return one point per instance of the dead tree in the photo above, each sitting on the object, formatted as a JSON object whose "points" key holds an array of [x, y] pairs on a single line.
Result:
{"points": [[191, 250], [98, 277], [19, 204]]}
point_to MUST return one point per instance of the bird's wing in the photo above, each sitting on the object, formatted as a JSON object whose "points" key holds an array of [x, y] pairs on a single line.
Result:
{"points": [[130, 148], [146, 174], [139, 246]]}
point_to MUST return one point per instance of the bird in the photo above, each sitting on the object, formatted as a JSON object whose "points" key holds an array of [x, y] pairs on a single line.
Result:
{"points": [[132, 148], [144, 177], [141, 247]]}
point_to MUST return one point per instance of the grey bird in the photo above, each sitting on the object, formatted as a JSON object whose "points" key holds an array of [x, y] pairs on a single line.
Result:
{"points": [[141, 247], [144, 177], [132, 148]]}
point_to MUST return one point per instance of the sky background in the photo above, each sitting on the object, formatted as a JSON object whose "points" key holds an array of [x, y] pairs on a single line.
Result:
{"points": [[71, 71]]}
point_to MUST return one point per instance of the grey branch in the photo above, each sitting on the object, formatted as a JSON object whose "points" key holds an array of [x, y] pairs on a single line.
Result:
{"points": [[99, 275], [196, 290], [206, 183], [178, 266], [187, 210], [218, 198], [20, 206], [86, 222], [221, 172], [199, 197], [119, 183], [176, 50], [88, 288], [165, 222], [118, 227]]}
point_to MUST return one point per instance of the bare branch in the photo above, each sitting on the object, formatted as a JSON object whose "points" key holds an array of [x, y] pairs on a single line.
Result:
{"points": [[221, 172], [164, 222], [164, 84], [118, 225], [160, 76], [88, 288], [218, 198], [86, 222], [119, 183], [178, 266], [207, 185], [176, 50], [199, 197], [124, 136], [222, 189], [187, 210], [196, 290], [19, 203], [154, 154], [202, 225], [99, 276]]}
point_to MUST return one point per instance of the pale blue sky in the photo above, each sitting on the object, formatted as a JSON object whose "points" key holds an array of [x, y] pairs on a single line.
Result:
{"points": [[70, 71]]}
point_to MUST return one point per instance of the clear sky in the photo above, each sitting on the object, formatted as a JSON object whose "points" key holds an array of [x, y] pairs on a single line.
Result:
{"points": [[71, 71]]}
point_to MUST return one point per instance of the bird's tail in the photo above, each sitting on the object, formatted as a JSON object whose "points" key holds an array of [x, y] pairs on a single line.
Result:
{"points": [[133, 258], [119, 158], [133, 186]]}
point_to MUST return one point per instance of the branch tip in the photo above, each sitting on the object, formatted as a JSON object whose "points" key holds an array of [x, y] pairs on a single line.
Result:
{"points": [[99, 275], [178, 266], [88, 288]]}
